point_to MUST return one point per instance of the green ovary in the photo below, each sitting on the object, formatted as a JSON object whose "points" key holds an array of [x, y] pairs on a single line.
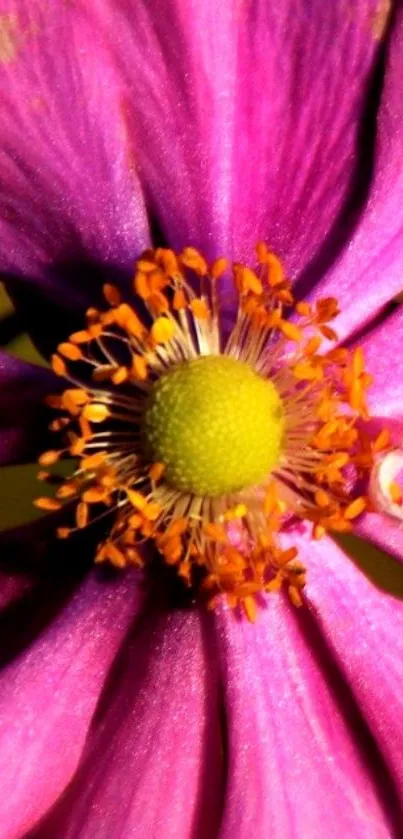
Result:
{"points": [[215, 424]]}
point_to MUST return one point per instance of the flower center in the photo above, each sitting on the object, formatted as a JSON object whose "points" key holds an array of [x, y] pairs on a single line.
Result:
{"points": [[212, 446], [215, 424]]}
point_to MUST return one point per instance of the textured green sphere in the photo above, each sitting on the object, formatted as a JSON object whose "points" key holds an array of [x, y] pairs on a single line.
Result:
{"points": [[215, 424]]}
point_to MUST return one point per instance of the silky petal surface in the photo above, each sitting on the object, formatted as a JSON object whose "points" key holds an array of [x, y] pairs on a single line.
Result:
{"points": [[244, 116], [152, 767], [385, 364], [363, 628], [296, 763], [48, 696], [71, 209], [22, 416], [370, 269], [385, 401]]}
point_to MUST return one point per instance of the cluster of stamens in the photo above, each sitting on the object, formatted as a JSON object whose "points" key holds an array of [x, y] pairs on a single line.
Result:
{"points": [[227, 542]]}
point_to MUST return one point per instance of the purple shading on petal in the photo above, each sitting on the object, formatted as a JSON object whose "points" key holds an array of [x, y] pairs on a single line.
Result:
{"points": [[295, 763], [152, 766], [364, 628], [49, 694], [244, 115], [369, 272], [70, 197]]}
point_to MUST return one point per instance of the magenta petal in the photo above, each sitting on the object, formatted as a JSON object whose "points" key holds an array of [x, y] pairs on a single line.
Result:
{"points": [[385, 400], [244, 115], [384, 362], [369, 271], [364, 628], [152, 767], [70, 196], [23, 428], [49, 694], [296, 766]]}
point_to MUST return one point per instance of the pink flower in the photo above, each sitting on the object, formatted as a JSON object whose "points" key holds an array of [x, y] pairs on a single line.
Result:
{"points": [[126, 123]]}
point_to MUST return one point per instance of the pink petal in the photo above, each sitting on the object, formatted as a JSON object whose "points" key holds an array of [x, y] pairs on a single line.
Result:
{"points": [[385, 364], [385, 401], [70, 197], [23, 425], [383, 531], [297, 765], [363, 629], [244, 116], [152, 767], [369, 271], [49, 694]]}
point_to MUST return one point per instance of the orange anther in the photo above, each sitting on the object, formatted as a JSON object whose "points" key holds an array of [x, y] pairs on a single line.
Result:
{"points": [[328, 333], [80, 337], [77, 447], [131, 323], [95, 412], [66, 490], [158, 303], [136, 498], [82, 515], [112, 294], [94, 495], [152, 511], [290, 331], [70, 351], [303, 308], [312, 346], [49, 504], [326, 309], [294, 594], [63, 532], [58, 365], [382, 440], [85, 427], [156, 471], [250, 608], [146, 266], [246, 280], [115, 555], [176, 528], [199, 308], [322, 498], [358, 361], [179, 300], [168, 260], [215, 531], [218, 267], [93, 461], [139, 367], [192, 258], [121, 375], [355, 508], [92, 314], [142, 285], [162, 330], [262, 252], [276, 272], [48, 458], [305, 371]]}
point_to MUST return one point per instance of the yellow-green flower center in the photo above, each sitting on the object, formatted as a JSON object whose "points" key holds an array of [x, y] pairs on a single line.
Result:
{"points": [[215, 424]]}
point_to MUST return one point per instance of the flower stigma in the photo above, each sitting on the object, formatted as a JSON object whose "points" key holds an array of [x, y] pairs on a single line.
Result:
{"points": [[215, 424], [212, 447]]}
